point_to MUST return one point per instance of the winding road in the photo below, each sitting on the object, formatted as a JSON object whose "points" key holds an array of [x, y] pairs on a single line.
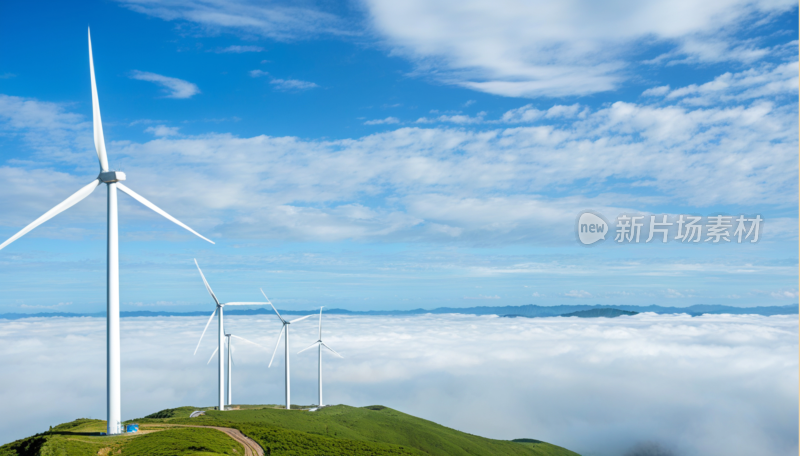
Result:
{"points": [[251, 447]]}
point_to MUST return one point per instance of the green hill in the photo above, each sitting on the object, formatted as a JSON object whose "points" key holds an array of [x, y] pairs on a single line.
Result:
{"points": [[334, 430]]}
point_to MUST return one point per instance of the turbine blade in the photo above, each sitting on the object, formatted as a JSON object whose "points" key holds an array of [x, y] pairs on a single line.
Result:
{"points": [[208, 287], [320, 323], [61, 207], [273, 307], [212, 356], [301, 318], [332, 350], [155, 208], [204, 330], [276, 346], [99, 141], [248, 341], [244, 303], [310, 346]]}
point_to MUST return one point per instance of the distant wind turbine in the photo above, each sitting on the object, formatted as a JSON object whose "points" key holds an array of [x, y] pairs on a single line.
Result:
{"points": [[221, 334], [113, 180], [230, 358], [319, 343], [284, 329]]}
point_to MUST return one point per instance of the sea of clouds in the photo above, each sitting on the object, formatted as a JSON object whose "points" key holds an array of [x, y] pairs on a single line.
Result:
{"points": [[715, 384]]}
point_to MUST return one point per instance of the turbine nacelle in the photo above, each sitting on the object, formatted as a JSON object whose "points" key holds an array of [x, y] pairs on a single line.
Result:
{"points": [[111, 176]]}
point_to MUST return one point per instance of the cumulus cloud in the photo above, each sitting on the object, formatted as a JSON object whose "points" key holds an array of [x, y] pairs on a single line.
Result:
{"points": [[596, 386], [764, 82], [239, 49], [578, 294], [162, 130], [292, 84], [496, 185], [174, 87], [388, 120], [531, 49]]}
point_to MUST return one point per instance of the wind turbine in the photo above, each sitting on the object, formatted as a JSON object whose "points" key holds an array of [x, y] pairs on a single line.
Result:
{"points": [[284, 329], [218, 311], [113, 180], [319, 343], [230, 358]]}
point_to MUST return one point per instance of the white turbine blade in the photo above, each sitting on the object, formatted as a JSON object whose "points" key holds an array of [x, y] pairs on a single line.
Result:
{"points": [[273, 307], [212, 356], [99, 141], [332, 350], [310, 346], [61, 207], [244, 303], [208, 287], [155, 208], [276, 346], [301, 318], [320, 323], [204, 330], [248, 341]]}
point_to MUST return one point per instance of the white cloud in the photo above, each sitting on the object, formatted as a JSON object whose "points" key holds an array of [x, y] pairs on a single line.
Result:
{"points": [[388, 120], [764, 82], [162, 130], [786, 294], [175, 88], [537, 48], [497, 185], [238, 49], [599, 386], [258, 73], [276, 20], [481, 297], [460, 119], [528, 114], [578, 294], [292, 84]]}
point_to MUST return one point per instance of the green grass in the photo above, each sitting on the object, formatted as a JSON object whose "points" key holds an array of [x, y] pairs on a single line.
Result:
{"points": [[375, 424], [182, 441], [335, 430]]}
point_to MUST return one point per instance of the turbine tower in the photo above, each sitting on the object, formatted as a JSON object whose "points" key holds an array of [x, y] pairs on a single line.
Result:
{"points": [[319, 344], [284, 329], [221, 333], [113, 180], [230, 358]]}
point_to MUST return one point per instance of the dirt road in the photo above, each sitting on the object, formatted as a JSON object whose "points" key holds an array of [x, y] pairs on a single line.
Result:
{"points": [[251, 447]]}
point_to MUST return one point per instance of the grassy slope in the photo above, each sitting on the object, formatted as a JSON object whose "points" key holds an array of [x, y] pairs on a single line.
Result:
{"points": [[336, 430], [377, 424], [81, 438]]}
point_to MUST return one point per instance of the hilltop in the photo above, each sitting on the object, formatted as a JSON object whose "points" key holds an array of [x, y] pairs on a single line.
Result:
{"points": [[332, 430]]}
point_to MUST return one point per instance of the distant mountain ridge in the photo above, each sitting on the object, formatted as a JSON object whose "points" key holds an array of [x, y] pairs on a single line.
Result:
{"points": [[529, 310]]}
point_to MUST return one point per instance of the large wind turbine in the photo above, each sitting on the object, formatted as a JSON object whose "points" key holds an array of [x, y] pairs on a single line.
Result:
{"points": [[230, 358], [221, 335], [113, 180], [284, 329], [319, 343]]}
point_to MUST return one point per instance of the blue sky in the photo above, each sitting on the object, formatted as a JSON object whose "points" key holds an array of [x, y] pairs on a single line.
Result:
{"points": [[396, 155]]}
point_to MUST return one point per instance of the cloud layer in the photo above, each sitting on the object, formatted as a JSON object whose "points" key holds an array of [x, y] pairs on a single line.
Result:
{"points": [[705, 385], [542, 48]]}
